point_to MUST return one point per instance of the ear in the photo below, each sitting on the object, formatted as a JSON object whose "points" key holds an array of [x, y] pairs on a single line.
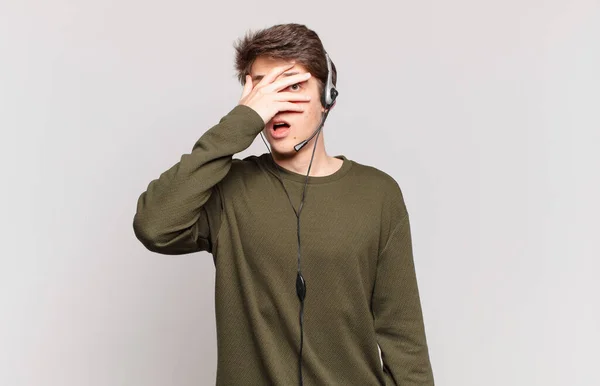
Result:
{"points": [[323, 109]]}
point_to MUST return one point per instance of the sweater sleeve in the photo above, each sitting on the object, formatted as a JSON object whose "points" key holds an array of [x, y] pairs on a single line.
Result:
{"points": [[180, 212], [397, 311]]}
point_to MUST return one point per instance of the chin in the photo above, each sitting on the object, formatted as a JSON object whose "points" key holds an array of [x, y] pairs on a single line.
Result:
{"points": [[283, 149]]}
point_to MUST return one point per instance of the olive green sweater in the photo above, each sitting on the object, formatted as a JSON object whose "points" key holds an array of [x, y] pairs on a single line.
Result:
{"points": [[361, 288]]}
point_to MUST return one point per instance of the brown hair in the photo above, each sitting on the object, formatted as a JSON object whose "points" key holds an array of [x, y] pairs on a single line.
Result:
{"points": [[283, 41]]}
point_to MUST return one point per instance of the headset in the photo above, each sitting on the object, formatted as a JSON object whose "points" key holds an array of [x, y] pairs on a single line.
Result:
{"points": [[328, 97]]}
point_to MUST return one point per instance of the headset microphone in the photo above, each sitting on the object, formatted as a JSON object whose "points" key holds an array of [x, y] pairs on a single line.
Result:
{"points": [[327, 100], [301, 144]]}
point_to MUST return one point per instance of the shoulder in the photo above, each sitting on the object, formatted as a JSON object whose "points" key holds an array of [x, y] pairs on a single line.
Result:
{"points": [[245, 165], [377, 179], [385, 193], [242, 170], [382, 189]]}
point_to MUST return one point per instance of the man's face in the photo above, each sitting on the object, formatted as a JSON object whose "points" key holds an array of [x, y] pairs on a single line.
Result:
{"points": [[302, 124]]}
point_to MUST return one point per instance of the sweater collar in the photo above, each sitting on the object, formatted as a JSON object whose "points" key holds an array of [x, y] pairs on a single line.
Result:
{"points": [[293, 176]]}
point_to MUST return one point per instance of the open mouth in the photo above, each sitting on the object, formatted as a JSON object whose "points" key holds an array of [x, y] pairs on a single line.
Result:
{"points": [[280, 129]]}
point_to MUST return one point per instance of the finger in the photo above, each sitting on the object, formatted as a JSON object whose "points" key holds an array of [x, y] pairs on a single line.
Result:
{"points": [[287, 81], [247, 86], [274, 73], [292, 97], [289, 106]]}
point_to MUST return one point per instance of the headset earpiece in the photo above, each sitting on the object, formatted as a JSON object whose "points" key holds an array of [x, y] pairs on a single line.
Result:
{"points": [[330, 93]]}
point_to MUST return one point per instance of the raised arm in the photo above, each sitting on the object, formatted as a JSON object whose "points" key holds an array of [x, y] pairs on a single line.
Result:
{"points": [[180, 211], [174, 214]]}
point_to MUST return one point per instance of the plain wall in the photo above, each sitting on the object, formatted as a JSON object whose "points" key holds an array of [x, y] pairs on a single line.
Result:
{"points": [[486, 113]]}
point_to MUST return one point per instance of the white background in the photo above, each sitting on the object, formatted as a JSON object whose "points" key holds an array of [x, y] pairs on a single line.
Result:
{"points": [[486, 113]]}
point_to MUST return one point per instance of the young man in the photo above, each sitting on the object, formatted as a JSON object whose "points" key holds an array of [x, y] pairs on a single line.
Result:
{"points": [[313, 254]]}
